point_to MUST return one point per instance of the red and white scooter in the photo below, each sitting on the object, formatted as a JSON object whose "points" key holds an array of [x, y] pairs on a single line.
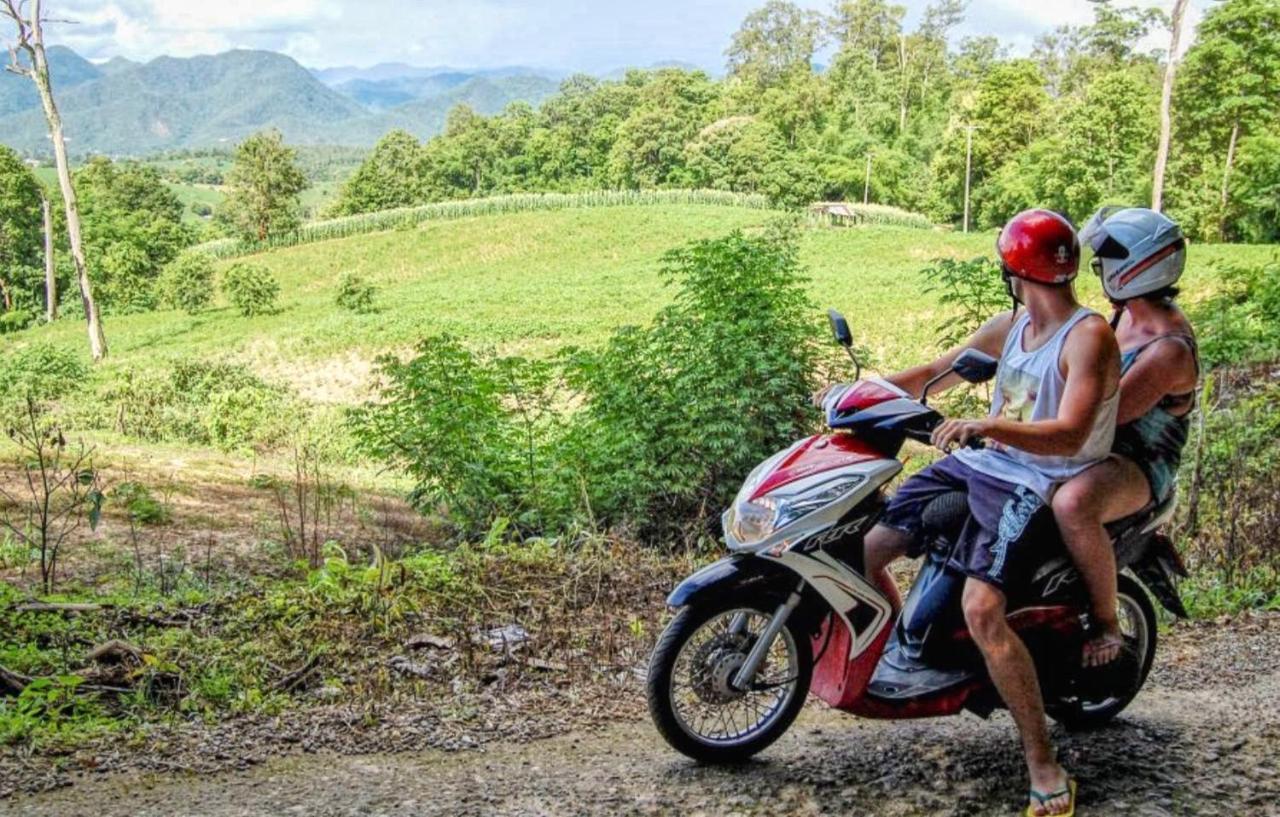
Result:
{"points": [[790, 610]]}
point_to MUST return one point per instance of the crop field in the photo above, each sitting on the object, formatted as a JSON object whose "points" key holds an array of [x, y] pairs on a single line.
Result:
{"points": [[535, 282]]}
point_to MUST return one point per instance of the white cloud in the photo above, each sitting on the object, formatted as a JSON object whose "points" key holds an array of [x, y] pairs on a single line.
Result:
{"points": [[553, 33]]}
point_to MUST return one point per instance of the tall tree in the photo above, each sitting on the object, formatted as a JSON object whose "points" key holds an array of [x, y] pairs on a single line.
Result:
{"points": [[27, 58], [390, 177], [265, 184], [1230, 81], [774, 43], [20, 223], [1166, 103]]}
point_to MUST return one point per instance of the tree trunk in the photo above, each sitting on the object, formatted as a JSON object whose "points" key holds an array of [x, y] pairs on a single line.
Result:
{"points": [[905, 88], [5, 300], [1226, 178], [50, 279], [40, 75], [1166, 102]]}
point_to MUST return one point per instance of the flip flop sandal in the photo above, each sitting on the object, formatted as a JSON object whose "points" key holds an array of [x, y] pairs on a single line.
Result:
{"points": [[1043, 800]]}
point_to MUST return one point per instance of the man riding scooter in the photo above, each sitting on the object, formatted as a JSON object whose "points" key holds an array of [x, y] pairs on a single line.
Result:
{"points": [[1053, 416]]}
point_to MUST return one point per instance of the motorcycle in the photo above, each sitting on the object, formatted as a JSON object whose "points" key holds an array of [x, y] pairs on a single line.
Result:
{"points": [[791, 612]]}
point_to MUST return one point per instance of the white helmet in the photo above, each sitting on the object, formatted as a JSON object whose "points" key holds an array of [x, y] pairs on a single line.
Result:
{"points": [[1136, 251]]}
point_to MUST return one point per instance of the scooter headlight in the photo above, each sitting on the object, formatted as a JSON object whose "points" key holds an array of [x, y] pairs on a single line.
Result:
{"points": [[755, 520]]}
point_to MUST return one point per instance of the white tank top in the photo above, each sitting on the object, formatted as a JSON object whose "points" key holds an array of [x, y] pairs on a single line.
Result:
{"points": [[1029, 388]]}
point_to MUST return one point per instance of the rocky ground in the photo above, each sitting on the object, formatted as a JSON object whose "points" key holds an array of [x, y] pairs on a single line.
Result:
{"points": [[1201, 740]]}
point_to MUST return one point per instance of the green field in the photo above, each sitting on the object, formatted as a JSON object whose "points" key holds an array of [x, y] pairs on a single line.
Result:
{"points": [[535, 282]]}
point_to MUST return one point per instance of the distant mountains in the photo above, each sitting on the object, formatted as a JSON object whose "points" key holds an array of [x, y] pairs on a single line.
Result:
{"points": [[125, 108]]}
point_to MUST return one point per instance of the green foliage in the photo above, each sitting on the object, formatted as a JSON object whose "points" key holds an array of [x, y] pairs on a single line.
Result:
{"points": [[265, 184], [21, 233], [1240, 323], [132, 226], [355, 293], [251, 289], [40, 372], [139, 503], [973, 289], [449, 210], [187, 283], [670, 416], [389, 178]]}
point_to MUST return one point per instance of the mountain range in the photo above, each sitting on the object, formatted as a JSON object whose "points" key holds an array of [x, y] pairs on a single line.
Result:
{"points": [[125, 108]]}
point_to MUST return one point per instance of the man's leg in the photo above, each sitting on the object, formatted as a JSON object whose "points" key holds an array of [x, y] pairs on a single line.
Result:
{"points": [[1110, 490], [1014, 675], [884, 545]]}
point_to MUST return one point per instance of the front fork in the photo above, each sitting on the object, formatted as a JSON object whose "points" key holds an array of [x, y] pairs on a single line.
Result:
{"points": [[764, 643]]}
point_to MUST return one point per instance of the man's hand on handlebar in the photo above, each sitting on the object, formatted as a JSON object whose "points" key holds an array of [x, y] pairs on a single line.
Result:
{"points": [[951, 434]]}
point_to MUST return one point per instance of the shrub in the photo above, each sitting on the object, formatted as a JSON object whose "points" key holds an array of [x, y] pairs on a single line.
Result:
{"points": [[355, 293], [251, 289], [15, 320], [666, 419], [187, 283], [1241, 322], [41, 372], [972, 289], [139, 503]]}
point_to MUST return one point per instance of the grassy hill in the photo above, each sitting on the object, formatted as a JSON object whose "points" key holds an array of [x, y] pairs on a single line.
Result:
{"points": [[535, 282]]}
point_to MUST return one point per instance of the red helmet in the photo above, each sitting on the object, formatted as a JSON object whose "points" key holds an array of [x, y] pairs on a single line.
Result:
{"points": [[1040, 246]]}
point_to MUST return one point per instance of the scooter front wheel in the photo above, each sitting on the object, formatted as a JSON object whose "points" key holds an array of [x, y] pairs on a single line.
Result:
{"points": [[692, 696]]}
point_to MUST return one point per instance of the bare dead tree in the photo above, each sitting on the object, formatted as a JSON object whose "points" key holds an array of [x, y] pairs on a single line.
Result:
{"points": [[59, 489], [1166, 103], [27, 58]]}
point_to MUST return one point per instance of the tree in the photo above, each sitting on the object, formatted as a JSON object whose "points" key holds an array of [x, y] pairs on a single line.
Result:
{"points": [[27, 58], [21, 223], [133, 227], [649, 149], [1166, 104], [390, 177], [1228, 88], [774, 43], [265, 184]]}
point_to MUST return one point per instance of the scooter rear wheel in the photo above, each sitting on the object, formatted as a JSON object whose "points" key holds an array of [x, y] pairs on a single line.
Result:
{"points": [[691, 699], [1139, 625]]}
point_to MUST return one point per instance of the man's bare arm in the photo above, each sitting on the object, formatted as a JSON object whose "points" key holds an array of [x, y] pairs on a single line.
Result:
{"points": [[1092, 362], [989, 338]]}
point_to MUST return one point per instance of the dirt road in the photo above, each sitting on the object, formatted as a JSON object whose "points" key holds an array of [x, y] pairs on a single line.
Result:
{"points": [[1202, 740]]}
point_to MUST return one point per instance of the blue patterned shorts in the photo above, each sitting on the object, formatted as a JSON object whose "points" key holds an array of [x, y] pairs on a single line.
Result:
{"points": [[1007, 523]]}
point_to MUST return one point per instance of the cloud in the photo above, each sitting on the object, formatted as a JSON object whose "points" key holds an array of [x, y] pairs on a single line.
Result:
{"points": [[566, 34]]}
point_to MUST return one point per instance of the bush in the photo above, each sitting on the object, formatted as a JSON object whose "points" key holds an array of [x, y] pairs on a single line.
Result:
{"points": [[15, 320], [187, 283], [1241, 322], [667, 419], [355, 293], [251, 289], [40, 372]]}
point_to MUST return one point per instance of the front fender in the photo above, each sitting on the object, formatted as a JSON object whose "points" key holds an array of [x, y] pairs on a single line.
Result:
{"points": [[732, 574]]}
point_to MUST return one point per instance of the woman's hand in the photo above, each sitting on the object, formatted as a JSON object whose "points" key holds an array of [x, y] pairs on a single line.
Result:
{"points": [[957, 433]]}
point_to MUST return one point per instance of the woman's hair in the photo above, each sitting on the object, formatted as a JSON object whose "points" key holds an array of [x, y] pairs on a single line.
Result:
{"points": [[1166, 294]]}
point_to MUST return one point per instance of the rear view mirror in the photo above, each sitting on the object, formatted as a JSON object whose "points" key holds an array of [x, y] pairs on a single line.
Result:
{"points": [[974, 366], [840, 328]]}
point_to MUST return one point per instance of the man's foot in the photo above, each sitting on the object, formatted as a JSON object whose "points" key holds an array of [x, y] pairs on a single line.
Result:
{"points": [[1052, 792], [1104, 647]]}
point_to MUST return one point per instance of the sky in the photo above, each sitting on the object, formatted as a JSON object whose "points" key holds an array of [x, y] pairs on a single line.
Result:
{"points": [[565, 35]]}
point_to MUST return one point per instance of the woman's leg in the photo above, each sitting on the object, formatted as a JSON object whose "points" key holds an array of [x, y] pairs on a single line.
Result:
{"points": [[1110, 490]]}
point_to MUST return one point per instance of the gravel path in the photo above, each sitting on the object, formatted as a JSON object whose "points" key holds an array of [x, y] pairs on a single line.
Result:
{"points": [[1201, 740]]}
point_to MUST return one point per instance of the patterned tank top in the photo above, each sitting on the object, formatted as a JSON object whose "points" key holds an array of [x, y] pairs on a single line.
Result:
{"points": [[1154, 441], [1029, 388]]}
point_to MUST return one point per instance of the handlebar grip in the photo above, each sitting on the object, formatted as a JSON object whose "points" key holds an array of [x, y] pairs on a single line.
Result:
{"points": [[976, 443]]}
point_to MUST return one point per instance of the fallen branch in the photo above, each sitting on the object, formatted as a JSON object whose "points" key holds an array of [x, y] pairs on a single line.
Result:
{"points": [[288, 682], [58, 607], [12, 683]]}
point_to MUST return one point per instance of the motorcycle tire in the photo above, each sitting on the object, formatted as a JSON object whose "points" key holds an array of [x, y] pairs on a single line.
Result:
{"points": [[1077, 717], [662, 664]]}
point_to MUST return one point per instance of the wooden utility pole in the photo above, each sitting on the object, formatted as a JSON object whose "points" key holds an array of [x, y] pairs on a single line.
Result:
{"points": [[1166, 103], [30, 42], [968, 169], [866, 185], [50, 279]]}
